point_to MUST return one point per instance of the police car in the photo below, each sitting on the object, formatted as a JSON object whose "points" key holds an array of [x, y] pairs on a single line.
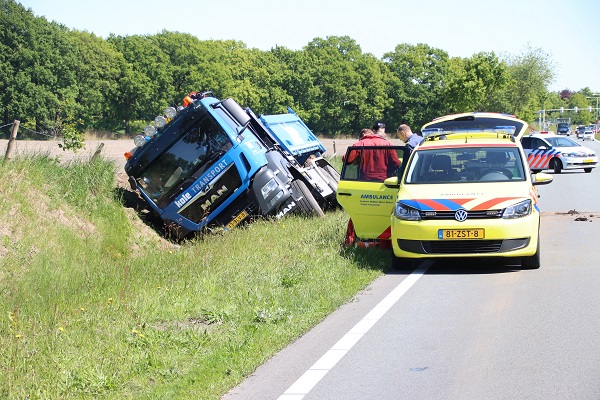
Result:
{"points": [[466, 192], [547, 151]]}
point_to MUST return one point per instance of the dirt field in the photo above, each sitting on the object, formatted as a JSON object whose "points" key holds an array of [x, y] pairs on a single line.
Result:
{"points": [[114, 149]]}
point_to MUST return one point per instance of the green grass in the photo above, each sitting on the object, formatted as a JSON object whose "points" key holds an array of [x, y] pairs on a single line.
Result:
{"points": [[94, 304]]}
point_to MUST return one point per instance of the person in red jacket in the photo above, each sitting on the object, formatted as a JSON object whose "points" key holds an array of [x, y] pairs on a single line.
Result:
{"points": [[374, 163]]}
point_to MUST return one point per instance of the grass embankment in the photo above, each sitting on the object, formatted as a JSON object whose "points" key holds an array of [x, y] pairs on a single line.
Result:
{"points": [[96, 305]]}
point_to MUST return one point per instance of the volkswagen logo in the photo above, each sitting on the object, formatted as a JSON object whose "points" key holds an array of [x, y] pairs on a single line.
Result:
{"points": [[460, 215]]}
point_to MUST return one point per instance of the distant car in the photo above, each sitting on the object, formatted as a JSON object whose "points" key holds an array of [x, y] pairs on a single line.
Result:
{"points": [[467, 192], [580, 130], [588, 134], [557, 153]]}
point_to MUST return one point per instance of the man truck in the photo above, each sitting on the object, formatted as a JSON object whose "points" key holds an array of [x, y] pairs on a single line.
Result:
{"points": [[213, 164]]}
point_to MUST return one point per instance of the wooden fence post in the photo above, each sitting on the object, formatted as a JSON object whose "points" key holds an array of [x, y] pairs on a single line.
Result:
{"points": [[97, 153], [11, 140]]}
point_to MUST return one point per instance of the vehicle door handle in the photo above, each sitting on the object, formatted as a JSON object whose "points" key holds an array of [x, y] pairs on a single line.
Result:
{"points": [[344, 194]]}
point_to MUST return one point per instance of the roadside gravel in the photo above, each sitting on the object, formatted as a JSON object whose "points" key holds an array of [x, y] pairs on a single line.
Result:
{"points": [[114, 149]]}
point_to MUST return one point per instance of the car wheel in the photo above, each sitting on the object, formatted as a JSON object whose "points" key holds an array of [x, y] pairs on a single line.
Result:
{"points": [[306, 201], [587, 170], [532, 262], [401, 263], [556, 165]]}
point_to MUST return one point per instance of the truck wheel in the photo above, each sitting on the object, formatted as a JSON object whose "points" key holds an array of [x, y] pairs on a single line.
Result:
{"points": [[307, 202]]}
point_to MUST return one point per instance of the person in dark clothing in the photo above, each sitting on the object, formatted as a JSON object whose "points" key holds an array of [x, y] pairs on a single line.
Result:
{"points": [[411, 139]]}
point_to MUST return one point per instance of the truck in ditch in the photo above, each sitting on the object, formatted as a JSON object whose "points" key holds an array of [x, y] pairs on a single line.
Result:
{"points": [[212, 164]]}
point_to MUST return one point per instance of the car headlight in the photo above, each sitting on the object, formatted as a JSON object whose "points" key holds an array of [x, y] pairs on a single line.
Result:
{"points": [[518, 210], [406, 213], [268, 188]]}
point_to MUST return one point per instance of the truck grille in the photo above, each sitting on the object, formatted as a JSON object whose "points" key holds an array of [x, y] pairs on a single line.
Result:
{"points": [[212, 196]]}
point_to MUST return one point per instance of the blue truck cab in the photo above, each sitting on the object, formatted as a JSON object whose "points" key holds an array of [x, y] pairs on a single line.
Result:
{"points": [[214, 164]]}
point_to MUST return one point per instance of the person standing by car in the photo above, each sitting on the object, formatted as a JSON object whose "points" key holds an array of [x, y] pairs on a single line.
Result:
{"points": [[375, 164], [379, 129], [411, 139]]}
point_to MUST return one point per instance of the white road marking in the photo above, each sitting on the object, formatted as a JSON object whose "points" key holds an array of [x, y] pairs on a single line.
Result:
{"points": [[310, 378]]}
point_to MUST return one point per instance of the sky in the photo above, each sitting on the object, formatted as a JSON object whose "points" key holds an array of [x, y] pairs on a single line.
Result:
{"points": [[567, 31]]}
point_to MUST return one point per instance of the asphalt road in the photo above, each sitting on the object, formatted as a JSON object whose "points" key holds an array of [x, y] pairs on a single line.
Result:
{"points": [[464, 330]]}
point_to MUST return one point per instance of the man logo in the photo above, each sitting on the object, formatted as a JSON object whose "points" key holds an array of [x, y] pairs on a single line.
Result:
{"points": [[460, 215], [286, 210], [214, 197]]}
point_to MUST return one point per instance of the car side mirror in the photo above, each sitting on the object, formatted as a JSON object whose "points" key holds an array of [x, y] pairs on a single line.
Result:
{"points": [[392, 182]]}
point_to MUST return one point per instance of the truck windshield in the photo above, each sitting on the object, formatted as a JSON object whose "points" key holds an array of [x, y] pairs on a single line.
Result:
{"points": [[201, 143]]}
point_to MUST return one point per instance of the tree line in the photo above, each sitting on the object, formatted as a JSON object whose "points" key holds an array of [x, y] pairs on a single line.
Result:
{"points": [[59, 80]]}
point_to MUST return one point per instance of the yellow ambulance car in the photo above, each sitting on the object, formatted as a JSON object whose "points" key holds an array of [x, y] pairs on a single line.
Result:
{"points": [[466, 191]]}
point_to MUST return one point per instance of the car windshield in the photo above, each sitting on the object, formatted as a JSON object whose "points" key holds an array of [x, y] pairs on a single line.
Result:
{"points": [[562, 142], [465, 165], [203, 143]]}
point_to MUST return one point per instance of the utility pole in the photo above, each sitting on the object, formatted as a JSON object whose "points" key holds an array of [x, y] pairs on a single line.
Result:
{"points": [[595, 96]]}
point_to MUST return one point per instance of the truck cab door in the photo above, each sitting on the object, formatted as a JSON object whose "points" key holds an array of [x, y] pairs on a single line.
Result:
{"points": [[361, 191]]}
